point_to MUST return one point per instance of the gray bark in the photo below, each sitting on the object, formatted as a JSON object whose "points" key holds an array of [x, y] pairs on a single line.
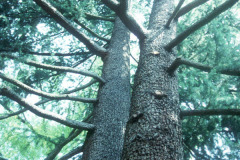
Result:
{"points": [[111, 112], [154, 127]]}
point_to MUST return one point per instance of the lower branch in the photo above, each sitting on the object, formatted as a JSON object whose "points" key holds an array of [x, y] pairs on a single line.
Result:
{"points": [[59, 147], [71, 136], [210, 112], [43, 113]]}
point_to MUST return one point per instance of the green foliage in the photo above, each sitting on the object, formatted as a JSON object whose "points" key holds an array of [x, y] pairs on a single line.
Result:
{"points": [[214, 45], [25, 28]]}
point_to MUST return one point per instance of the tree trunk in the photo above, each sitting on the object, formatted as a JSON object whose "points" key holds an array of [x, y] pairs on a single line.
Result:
{"points": [[111, 113], [154, 127]]}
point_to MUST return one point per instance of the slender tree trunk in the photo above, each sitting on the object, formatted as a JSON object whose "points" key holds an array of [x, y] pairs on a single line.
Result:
{"points": [[111, 112], [154, 127]]}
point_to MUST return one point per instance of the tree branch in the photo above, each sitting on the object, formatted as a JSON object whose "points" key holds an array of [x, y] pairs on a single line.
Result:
{"points": [[46, 95], [122, 11], [91, 31], [174, 13], [72, 153], [47, 100], [57, 16], [43, 113], [55, 68], [189, 7], [13, 114], [70, 137], [44, 54], [210, 112], [180, 61], [59, 147], [223, 7], [95, 17]]}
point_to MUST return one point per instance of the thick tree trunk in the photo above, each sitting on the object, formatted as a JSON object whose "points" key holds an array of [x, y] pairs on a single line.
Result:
{"points": [[111, 112], [154, 127]]}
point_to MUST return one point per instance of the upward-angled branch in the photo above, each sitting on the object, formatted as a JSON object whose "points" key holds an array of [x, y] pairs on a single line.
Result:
{"points": [[91, 31], [122, 10], [55, 68], [71, 136], [72, 153], [13, 114], [189, 7], [180, 61], [223, 7], [58, 148], [44, 94], [43, 113], [57, 16], [174, 13]]}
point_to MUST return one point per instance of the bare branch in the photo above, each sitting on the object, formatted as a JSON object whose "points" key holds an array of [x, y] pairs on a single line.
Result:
{"points": [[134, 58], [46, 95], [47, 100], [174, 13], [91, 31], [211, 112], [13, 114], [57, 16], [59, 147], [95, 17], [44, 54], [43, 113], [72, 153], [223, 7], [180, 61], [122, 11], [70, 137], [189, 7], [55, 68]]}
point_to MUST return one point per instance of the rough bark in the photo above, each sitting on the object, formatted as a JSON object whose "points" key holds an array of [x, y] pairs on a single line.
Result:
{"points": [[111, 113], [154, 127]]}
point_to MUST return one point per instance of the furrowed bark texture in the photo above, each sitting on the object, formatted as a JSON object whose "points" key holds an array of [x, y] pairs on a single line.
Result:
{"points": [[111, 113], [154, 127]]}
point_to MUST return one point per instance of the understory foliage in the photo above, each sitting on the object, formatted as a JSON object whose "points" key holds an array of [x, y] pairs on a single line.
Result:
{"points": [[29, 33]]}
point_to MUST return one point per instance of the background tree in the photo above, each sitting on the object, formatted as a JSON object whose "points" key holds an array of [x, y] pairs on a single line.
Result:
{"points": [[46, 46]]}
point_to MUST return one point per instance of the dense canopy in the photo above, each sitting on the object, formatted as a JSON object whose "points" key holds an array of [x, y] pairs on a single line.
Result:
{"points": [[50, 75]]}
